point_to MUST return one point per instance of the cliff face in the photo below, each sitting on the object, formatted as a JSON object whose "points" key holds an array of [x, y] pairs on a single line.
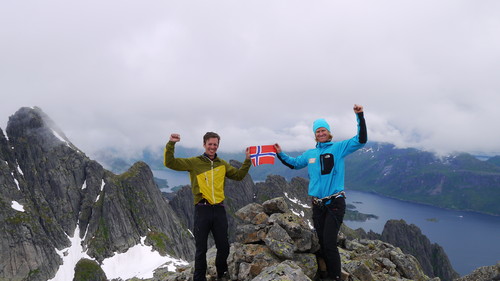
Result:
{"points": [[50, 191], [410, 239]]}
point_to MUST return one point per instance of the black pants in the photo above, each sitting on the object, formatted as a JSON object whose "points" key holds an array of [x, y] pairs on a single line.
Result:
{"points": [[327, 221], [210, 218]]}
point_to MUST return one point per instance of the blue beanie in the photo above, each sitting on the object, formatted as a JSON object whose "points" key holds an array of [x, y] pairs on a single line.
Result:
{"points": [[318, 123]]}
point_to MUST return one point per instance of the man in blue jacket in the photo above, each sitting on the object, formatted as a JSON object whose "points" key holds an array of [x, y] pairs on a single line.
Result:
{"points": [[325, 165]]}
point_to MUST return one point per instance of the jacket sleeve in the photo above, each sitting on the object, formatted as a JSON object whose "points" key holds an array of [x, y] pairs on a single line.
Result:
{"points": [[359, 140], [362, 132], [293, 162], [237, 174], [178, 164]]}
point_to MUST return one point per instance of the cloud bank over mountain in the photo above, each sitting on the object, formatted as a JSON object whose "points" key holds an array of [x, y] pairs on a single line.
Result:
{"points": [[125, 74]]}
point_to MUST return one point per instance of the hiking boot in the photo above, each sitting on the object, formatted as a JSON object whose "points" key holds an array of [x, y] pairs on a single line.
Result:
{"points": [[330, 279]]}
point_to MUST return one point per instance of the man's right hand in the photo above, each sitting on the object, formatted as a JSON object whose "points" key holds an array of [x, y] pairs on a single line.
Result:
{"points": [[175, 137]]}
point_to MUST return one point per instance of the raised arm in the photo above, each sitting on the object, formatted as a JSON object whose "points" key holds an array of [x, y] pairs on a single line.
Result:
{"points": [[169, 160], [362, 132]]}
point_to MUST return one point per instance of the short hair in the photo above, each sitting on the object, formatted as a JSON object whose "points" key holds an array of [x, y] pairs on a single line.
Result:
{"points": [[210, 135]]}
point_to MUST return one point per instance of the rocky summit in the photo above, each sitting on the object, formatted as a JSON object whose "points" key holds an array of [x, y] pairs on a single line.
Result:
{"points": [[274, 244]]}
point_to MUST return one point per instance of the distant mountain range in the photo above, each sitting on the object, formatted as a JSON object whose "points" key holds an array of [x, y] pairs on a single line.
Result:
{"points": [[458, 181]]}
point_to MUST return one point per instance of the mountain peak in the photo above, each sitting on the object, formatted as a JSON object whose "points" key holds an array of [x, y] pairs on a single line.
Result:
{"points": [[30, 122], [52, 191]]}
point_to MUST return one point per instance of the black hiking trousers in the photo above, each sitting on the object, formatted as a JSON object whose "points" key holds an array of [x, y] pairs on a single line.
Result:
{"points": [[210, 218], [327, 220]]}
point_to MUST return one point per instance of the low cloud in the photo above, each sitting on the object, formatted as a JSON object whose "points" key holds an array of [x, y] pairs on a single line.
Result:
{"points": [[127, 74]]}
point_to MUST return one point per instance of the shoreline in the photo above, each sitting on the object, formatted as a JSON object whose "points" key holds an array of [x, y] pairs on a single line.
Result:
{"points": [[424, 204]]}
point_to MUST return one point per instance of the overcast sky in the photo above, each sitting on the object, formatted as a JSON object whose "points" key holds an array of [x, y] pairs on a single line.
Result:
{"points": [[126, 74]]}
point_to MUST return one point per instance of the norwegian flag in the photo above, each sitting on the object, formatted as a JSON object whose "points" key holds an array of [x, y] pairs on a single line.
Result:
{"points": [[262, 154]]}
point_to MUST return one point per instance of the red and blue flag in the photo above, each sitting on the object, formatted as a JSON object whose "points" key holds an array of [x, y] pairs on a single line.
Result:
{"points": [[262, 154]]}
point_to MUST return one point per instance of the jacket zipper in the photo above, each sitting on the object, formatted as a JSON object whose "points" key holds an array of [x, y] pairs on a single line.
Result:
{"points": [[212, 170]]}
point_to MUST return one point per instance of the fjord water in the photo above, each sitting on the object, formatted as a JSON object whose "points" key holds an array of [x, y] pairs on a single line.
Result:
{"points": [[470, 240]]}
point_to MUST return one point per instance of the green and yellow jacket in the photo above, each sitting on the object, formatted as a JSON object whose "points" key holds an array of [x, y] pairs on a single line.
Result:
{"points": [[207, 176]]}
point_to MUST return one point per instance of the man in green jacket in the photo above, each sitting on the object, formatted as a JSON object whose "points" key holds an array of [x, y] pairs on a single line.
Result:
{"points": [[207, 173]]}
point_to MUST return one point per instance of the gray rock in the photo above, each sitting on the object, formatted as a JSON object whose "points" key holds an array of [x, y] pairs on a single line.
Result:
{"points": [[276, 205], [247, 260], [283, 250], [277, 232], [304, 238], [407, 265], [293, 224], [307, 262], [252, 213], [484, 273], [359, 270], [251, 233], [279, 242], [285, 271]]}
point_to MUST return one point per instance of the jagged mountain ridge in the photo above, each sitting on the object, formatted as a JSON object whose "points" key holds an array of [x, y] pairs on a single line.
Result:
{"points": [[49, 189], [410, 239]]}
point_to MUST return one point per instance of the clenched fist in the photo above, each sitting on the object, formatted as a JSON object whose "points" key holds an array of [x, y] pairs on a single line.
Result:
{"points": [[175, 137], [358, 108]]}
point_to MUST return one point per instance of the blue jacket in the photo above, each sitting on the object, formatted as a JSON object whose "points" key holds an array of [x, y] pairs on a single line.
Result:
{"points": [[325, 163]]}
